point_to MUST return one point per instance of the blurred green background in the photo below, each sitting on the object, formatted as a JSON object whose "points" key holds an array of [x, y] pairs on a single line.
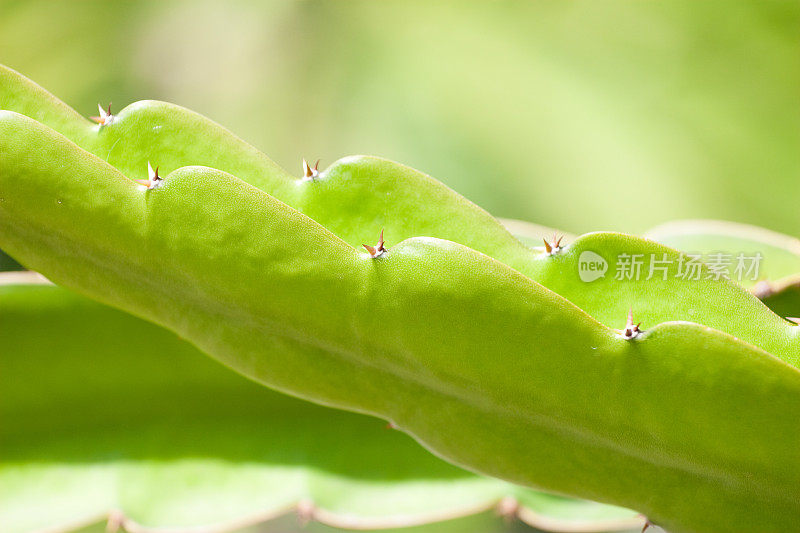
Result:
{"points": [[583, 115]]}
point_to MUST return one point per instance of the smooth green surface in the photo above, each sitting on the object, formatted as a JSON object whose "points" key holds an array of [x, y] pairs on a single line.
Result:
{"points": [[356, 197], [482, 365], [159, 432]]}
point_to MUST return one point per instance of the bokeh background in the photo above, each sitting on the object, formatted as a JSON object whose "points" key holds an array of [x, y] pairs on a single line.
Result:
{"points": [[583, 115]]}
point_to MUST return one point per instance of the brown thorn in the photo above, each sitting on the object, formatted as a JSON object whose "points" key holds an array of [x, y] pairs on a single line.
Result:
{"points": [[554, 246], [380, 246], [101, 119], [308, 172], [631, 330], [378, 249]]}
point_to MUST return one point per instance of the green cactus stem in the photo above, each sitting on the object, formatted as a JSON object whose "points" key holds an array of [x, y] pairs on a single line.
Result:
{"points": [[495, 356]]}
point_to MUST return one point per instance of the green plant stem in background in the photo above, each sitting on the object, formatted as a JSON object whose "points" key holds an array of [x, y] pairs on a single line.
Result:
{"points": [[158, 435]]}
